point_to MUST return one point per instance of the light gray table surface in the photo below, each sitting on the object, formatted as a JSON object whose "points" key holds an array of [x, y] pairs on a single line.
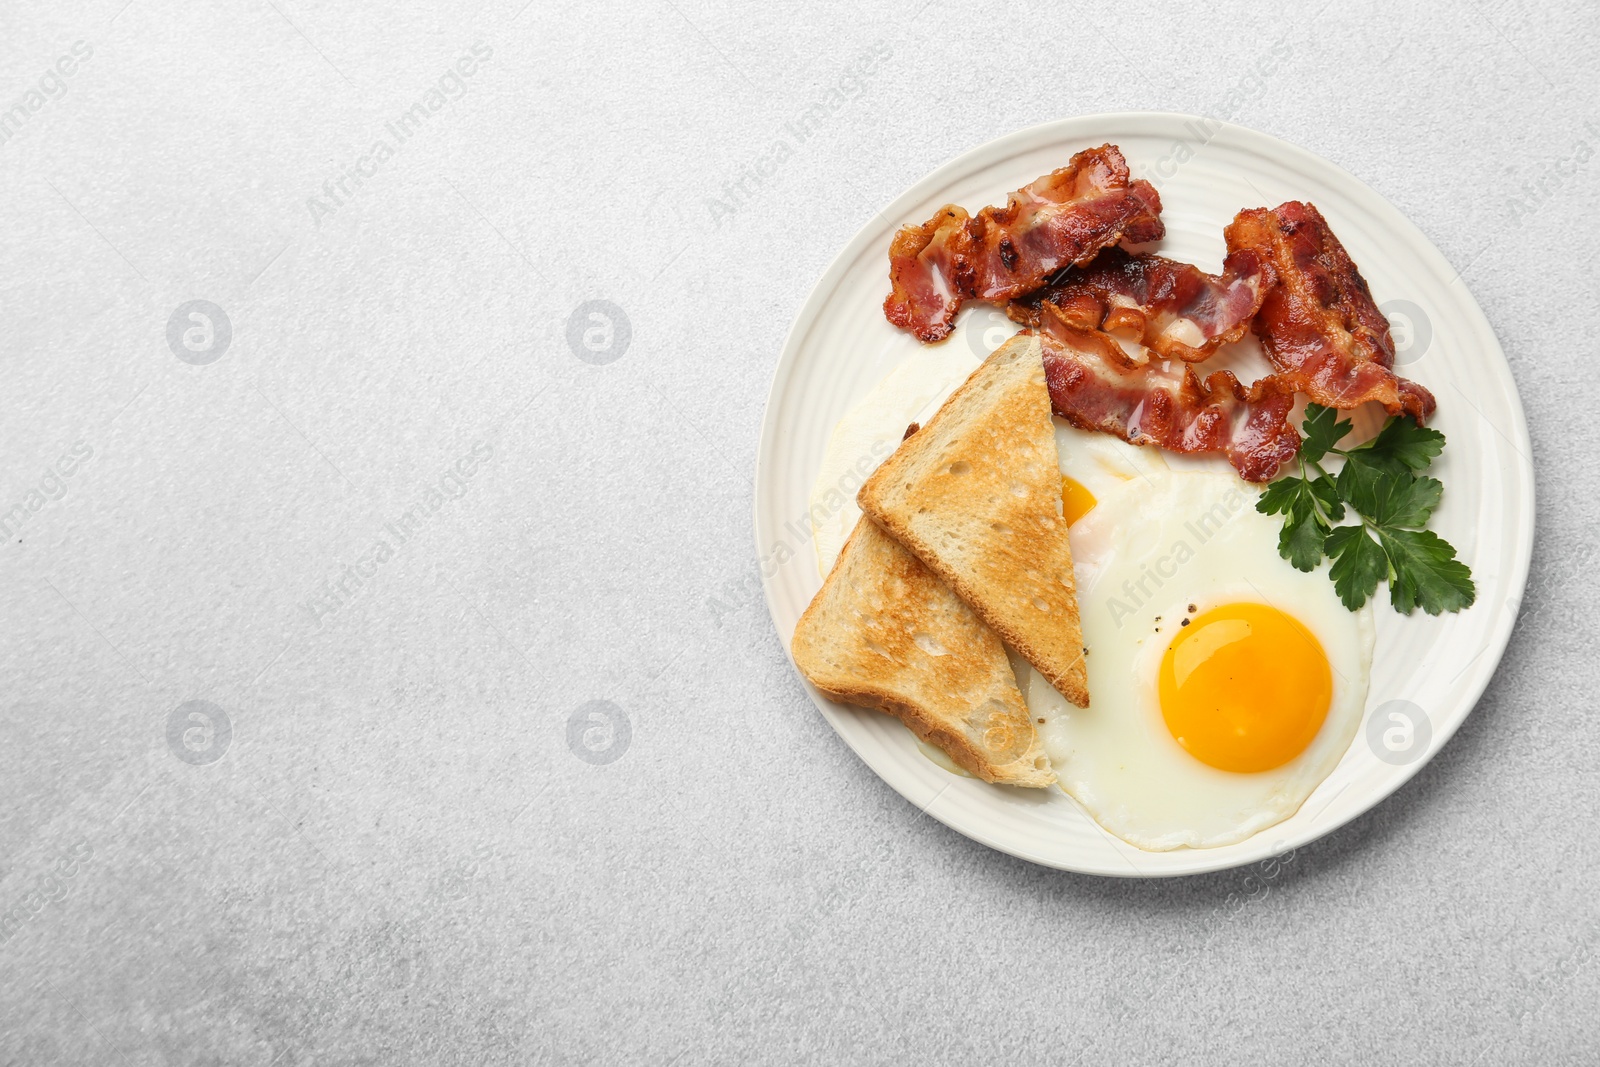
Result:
{"points": [[381, 842]]}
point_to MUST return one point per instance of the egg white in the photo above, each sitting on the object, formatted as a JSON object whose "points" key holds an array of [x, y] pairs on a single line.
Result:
{"points": [[1102, 463], [1151, 547], [870, 431]]}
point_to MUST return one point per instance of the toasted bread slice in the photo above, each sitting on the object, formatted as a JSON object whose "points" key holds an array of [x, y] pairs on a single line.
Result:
{"points": [[976, 495], [886, 633]]}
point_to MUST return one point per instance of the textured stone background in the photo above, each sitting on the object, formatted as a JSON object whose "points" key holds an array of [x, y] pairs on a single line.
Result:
{"points": [[396, 853]]}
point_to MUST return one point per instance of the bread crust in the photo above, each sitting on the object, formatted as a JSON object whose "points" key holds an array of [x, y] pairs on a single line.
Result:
{"points": [[884, 632], [975, 494]]}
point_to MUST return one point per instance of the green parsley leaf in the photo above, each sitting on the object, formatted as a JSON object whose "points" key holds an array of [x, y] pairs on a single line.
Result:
{"points": [[1380, 464], [1322, 432], [1303, 528], [1302, 537], [1426, 573], [1359, 564], [1381, 481], [1361, 486], [1280, 496], [1389, 498], [1327, 494], [1401, 445], [1409, 501]]}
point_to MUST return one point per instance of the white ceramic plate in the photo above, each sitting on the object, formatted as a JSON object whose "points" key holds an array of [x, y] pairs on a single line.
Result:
{"points": [[1427, 672]]}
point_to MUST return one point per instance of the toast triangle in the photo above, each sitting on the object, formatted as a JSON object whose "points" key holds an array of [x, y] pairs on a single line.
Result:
{"points": [[884, 632], [976, 495]]}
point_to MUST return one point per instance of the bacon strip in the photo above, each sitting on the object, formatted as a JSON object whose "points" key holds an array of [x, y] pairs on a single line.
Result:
{"points": [[1095, 386], [1319, 324], [1062, 219], [1175, 309]]}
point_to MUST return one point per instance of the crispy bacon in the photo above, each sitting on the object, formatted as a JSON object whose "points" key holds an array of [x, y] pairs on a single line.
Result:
{"points": [[1175, 309], [1061, 220], [1095, 386], [1319, 325]]}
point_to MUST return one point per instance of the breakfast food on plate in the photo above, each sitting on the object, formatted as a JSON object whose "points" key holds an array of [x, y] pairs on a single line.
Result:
{"points": [[976, 494], [1061, 219], [1319, 324], [1176, 310], [886, 633], [1096, 385], [1290, 279], [1226, 683], [1225, 627]]}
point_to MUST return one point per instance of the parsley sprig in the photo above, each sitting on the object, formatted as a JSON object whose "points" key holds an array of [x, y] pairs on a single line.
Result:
{"points": [[1381, 483]]}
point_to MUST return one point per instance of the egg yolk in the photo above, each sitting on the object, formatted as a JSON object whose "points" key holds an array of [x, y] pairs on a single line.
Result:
{"points": [[1076, 501], [1245, 687]]}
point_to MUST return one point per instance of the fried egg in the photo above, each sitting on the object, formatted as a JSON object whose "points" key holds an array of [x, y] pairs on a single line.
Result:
{"points": [[1224, 684]]}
